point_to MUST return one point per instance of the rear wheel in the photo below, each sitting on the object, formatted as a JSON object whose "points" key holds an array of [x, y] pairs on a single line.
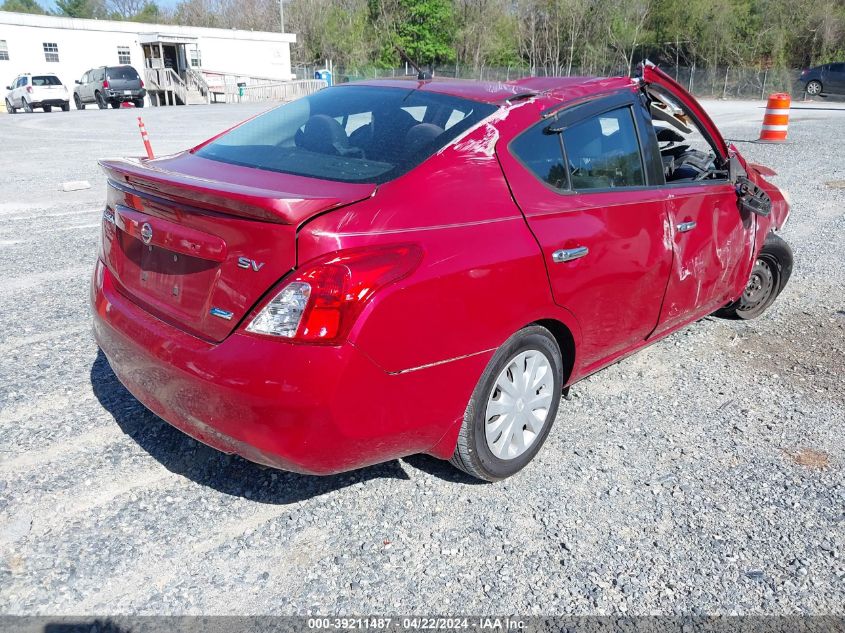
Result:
{"points": [[139, 103], [101, 101], [48, 108], [512, 408], [26, 106], [78, 102], [10, 108], [66, 106], [813, 88], [768, 278]]}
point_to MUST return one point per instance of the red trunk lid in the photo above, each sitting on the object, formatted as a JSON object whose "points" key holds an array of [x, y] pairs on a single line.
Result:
{"points": [[197, 243]]}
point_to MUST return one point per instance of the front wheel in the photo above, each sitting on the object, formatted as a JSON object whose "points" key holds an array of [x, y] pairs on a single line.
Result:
{"points": [[78, 102], [512, 408], [813, 88], [769, 275], [10, 108]]}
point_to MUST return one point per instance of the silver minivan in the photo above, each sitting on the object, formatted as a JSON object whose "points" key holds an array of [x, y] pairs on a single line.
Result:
{"points": [[109, 85]]}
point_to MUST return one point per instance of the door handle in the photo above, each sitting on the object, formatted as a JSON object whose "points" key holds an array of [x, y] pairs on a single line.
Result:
{"points": [[683, 227], [568, 254]]}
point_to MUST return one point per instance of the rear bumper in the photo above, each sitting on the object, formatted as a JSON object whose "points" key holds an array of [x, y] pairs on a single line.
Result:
{"points": [[118, 95], [49, 102], [304, 408]]}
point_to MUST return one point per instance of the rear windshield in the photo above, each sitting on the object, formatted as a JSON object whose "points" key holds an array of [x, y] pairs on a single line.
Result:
{"points": [[122, 72], [349, 133], [46, 80]]}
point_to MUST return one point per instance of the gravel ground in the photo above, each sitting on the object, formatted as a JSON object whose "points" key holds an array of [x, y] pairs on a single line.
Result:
{"points": [[702, 475]]}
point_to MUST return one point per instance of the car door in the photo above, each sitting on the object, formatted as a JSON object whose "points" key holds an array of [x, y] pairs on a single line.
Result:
{"points": [[81, 88], [12, 95], [835, 81], [600, 223], [712, 240], [20, 90]]}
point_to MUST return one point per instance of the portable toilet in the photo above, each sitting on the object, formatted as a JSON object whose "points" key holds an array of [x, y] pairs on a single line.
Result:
{"points": [[325, 74]]}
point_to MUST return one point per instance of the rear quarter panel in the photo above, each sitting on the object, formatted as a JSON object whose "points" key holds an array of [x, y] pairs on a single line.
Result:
{"points": [[482, 276]]}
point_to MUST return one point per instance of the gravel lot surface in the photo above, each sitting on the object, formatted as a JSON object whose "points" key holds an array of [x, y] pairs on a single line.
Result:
{"points": [[703, 475]]}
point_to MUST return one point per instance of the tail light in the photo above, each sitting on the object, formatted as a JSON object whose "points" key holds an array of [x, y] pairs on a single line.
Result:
{"points": [[106, 83], [142, 83], [321, 302], [29, 89]]}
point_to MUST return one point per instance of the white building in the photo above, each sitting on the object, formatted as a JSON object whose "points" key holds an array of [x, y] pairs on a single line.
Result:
{"points": [[181, 61]]}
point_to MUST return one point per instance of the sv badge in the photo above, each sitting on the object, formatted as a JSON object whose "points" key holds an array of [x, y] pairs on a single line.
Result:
{"points": [[246, 262]]}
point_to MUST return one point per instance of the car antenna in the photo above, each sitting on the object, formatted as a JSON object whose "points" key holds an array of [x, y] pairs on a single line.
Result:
{"points": [[421, 75]]}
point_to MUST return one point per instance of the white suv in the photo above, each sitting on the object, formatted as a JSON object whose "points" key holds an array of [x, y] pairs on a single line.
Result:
{"points": [[37, 91]]}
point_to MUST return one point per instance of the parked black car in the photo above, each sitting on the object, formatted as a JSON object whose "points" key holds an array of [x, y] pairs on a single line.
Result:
{"points": [[109, 85], [826, 79]]}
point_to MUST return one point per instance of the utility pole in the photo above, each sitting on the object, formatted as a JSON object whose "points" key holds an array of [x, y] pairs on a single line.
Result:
{"points": [[282, 14]]}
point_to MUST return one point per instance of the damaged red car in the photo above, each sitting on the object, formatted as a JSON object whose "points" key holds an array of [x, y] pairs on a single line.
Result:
{"points": [[395, 267]]}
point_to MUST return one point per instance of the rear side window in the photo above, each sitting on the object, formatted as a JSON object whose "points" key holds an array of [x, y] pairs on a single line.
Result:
{"points": [[603, 151], [122, 72], [349, 133], [539, 150], [837, 68], [45, 80]]}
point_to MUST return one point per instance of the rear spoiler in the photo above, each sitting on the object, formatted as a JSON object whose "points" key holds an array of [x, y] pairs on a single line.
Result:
{"points": [[231, 198]]}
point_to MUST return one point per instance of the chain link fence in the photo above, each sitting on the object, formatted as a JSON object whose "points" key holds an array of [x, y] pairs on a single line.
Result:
{"points": [[721, 82]]}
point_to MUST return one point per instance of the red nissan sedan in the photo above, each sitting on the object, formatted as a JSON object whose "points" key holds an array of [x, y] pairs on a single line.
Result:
{"points": [[396, 267]]}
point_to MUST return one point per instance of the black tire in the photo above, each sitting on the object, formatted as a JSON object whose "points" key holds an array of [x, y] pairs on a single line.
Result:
{"points": [[472, 453], [10, 108], [78, 102], [47, 108], [66, 106], [769, 277], [814, 88], [26, 106], [115, 104], [101, 101], [139, 103]]}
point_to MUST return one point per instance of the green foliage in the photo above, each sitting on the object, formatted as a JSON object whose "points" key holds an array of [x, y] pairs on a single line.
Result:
{"points": [[149, 13], [22, 6], [553, 36], [78, 8], [426, 31]]}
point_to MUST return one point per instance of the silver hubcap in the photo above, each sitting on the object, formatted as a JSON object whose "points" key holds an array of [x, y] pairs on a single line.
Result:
{"points": [[518, 407], [814, 88]]}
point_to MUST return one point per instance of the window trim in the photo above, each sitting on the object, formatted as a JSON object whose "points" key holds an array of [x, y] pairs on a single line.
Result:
{"points": [[578, 111]]}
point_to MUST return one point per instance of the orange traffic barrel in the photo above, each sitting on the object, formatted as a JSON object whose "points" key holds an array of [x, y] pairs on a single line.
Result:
{"points": [[776, 119]]}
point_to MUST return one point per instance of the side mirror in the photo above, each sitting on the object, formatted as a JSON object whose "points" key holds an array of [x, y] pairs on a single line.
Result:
{"points": [[8, 87], [79, 82]]}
